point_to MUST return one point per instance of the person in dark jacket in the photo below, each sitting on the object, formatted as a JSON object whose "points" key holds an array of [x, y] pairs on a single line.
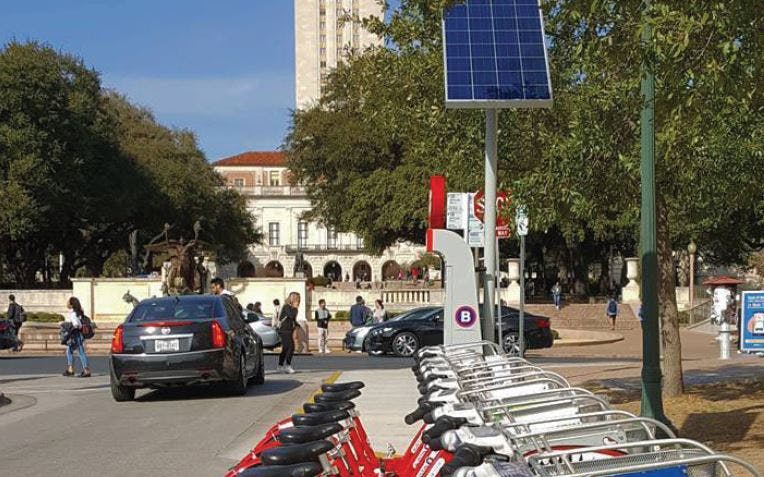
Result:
{"points": [[287, 324], [322, 317], [359, 312], [16, 319]]}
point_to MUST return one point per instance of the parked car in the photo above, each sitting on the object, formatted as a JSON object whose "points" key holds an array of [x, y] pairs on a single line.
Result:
{"points": [[404, 337], [184, 340], [262, 327], [356, 338]]}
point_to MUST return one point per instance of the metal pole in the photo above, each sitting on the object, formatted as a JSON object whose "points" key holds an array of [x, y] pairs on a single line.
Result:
{"points": [[521, 331], [652, 400], [498, 304], [489, 329], [692, 286]]}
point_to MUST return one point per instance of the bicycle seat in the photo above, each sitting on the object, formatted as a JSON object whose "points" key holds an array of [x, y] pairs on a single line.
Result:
{"points": [[338, 396], [303, 434], [333, 388], [295, 454], [305, 469], [312, 407], [318, 418]]}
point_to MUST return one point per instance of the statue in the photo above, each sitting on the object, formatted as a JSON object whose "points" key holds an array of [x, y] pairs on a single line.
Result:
{"points": [[129, 298], [184, 275]]}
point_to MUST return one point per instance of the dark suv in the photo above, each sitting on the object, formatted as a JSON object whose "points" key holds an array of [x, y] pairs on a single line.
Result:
{"points": [[184, 340]]}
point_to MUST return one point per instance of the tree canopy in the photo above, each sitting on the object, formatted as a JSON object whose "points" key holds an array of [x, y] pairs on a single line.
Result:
{"points": [[80, 168]]}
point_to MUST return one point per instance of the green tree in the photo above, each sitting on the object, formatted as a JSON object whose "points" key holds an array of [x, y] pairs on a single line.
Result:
{"points": [[381, 129], [64, 182]]}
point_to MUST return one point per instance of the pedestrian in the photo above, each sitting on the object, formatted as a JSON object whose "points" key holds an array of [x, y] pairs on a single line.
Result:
{"points": [[287, 324], [217, 286], [380, 315], [16, 317], [301, 335], [322, 317], [258, 308], [75, 341], [612, 310], [276, 314], [557, 294], [358, 312]]}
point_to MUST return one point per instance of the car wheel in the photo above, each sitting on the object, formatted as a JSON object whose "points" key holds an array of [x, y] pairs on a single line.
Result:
{"points": [[511, 345], [259, 377], [120, 393], [239, 386], [405, 344]]}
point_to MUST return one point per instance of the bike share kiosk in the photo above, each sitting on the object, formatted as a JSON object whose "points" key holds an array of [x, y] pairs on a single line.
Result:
{"points": [[461, 321], [724, 311]]}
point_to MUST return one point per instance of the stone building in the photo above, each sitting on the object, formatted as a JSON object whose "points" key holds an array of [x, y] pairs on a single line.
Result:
{"points": [[324, 32], [278, 209]]}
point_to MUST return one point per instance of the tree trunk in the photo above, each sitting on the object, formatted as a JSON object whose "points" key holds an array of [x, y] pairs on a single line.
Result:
{"points": [[673, 383]]}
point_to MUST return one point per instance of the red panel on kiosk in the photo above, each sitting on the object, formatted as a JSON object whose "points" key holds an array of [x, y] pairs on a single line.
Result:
{"points": [[437, 219]]}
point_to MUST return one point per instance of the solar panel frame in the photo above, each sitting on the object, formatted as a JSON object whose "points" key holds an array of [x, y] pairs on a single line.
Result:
{"points": [[504, 56]]}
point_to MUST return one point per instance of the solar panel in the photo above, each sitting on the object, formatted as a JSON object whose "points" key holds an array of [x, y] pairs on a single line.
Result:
{"points": [[495, 56]]}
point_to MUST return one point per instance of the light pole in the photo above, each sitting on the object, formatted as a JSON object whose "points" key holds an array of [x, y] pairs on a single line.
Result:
{"points": [[652, 400], [691, 249]]}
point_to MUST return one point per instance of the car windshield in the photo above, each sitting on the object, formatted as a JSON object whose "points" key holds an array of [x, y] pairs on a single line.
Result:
{"points": [[189, 310], [422, 314]]}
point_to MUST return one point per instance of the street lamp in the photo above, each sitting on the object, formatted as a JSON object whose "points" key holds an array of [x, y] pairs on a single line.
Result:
{"points": [[691, 249]]}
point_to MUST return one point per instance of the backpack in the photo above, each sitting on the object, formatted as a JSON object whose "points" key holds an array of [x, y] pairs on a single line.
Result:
{"points": [[612, 307], [88, 327], [22, 314]]}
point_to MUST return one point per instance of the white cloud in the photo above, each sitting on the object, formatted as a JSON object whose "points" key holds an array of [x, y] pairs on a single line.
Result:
{"points": [[206, 96]]}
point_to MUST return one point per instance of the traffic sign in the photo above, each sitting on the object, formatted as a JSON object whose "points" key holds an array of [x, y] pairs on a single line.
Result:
{"points": [[503, 202], [522, 221]]}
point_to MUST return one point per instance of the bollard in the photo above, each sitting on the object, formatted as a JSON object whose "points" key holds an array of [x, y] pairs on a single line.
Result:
{"points": [[724, 340]]}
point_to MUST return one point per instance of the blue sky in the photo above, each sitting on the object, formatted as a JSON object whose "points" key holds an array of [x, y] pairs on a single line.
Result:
{"points": [[224, 69]]}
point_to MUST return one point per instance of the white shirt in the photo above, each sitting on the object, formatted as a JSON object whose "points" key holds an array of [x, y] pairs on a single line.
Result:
{"points": [[73, 319]]}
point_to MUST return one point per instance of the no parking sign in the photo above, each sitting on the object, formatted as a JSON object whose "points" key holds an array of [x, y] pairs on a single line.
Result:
{"points": [[465, 316]]}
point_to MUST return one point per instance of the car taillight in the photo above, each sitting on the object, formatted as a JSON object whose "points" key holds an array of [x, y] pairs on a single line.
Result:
{"points": [[117, 346], [542, 323], [218, 335]]}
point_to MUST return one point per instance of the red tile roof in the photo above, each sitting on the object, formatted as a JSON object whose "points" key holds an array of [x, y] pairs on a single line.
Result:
{"points": [[254, 158], [723, 280]]}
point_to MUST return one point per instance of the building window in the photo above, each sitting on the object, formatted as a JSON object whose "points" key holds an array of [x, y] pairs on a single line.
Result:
{"points": [[238, 182], [322, 25], [302, 234], [322, 38], [323, 64], [356, 40], [274, 178], [273, 233], [359, 242], [331, 238]]}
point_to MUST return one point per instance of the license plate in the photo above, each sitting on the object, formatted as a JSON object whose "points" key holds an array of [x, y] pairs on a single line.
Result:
{"points": [[164, 346]]}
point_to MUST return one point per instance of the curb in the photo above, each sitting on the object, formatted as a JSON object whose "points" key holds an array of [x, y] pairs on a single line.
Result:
{"points": [[585, 338]]}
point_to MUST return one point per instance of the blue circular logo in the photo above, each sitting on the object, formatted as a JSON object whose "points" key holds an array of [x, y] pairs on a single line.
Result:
{"points": [[465, 316]]}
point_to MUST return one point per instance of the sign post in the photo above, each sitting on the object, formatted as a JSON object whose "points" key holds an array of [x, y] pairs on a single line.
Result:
{"points": [[752, 322], [522, 231]]}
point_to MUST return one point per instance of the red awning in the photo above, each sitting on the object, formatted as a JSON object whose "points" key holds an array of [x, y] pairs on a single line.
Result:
{"points": [[723, 281]]}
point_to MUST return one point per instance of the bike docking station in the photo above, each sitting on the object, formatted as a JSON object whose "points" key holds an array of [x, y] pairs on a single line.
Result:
{"points": [[484, 413]]}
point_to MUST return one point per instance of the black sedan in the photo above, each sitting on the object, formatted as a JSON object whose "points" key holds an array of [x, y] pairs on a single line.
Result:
{"points": [[405, 337], [184, 340]]}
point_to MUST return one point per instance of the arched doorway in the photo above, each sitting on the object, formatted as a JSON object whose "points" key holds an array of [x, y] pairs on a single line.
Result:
{"points": [[274, 269], [333, 271], [245, 269], [362, 271], [307, 270], [390, 270]]}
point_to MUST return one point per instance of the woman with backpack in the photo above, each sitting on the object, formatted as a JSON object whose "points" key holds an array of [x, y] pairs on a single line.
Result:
{"points": [[75, 341]]}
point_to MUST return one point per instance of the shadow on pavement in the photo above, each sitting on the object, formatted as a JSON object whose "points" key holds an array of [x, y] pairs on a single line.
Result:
{"points": [[271, 387]]}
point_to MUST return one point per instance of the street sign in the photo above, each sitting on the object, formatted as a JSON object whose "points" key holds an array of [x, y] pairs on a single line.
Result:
{"points": [[522, 221], [752, 322], [503, 202], [475, 234], [456, 211]]}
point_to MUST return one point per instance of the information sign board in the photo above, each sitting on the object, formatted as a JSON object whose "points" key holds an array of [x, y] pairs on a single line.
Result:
{"points": [[752, 322]]}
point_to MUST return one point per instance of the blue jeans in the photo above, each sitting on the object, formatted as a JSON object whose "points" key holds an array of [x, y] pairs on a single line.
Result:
{"points": [[76, 342], [557, 300]]}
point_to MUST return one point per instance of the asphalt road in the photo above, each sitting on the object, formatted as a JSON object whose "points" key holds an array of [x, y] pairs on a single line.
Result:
{"points": [[338, 361]]}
